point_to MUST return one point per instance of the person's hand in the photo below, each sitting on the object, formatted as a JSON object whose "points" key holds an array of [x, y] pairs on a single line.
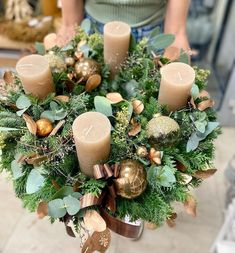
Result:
{"points": [[65, 35], [181, 42]]}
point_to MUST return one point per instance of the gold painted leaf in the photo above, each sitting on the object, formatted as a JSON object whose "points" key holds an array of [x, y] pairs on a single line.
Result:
{"points": [[205, 104], [136, 129], [30, 123], [114, 97], [93, 221], [42, 210], [204, 93], [9, 78], [204, 174], [62, 98], [36, 160], [93, 82], [190, 206]]}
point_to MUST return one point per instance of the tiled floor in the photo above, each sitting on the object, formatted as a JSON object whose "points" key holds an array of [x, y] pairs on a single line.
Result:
{"points": [[21, 232]]}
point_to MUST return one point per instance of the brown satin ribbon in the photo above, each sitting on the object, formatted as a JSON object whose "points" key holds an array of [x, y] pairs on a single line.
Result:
{"points": [[90, 200], [108, 199], [120, 227]]}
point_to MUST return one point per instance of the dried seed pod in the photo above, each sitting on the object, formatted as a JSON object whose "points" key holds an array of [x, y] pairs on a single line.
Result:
{"points": [[138, 106]]}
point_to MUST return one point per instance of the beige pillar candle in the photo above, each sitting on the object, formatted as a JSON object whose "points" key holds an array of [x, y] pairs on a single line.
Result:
{"points": [[35, 75], [116, 44], [50, 40], [176, 82], [92, 135]]}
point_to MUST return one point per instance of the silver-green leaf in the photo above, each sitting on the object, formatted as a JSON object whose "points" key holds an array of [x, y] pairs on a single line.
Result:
{"points": [[103, 105], [72, 205], [34, 182], [56, 208]]}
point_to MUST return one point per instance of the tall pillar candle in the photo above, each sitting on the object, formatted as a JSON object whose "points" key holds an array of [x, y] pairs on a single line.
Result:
{"points": [[35, 75], [92, 135], [116, 44], [176, 82]]}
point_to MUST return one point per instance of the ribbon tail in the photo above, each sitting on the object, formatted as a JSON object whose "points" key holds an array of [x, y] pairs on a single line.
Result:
{"points": [[120, 227]]}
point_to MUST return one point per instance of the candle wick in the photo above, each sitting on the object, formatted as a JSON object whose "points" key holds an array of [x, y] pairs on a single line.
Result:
{"points": [[88, 130], [180, 76]]}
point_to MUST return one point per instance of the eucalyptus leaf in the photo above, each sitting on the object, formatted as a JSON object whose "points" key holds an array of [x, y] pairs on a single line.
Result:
{"points": [[133, 43], [86, 25], [35, 181], [131, 88], [162, 41], [54, 106], [6, 129], [22, 111], [40, 48], [103, 105], [59, 115], [201, 126], [23, 102], [130, 110], [165, 176], [56, 208], [184, 57], [196, 137], [63, 192], [156, 31], [48, 115], [67, 48], [193, 142], [72, 205], [16, 168], [195, 91], [85, 49], [211, 126]]}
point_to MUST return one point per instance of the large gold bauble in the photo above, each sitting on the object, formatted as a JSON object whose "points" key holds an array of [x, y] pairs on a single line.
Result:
{"points": [[132, 179], [86, 68], [162, 130], [44, 127]]}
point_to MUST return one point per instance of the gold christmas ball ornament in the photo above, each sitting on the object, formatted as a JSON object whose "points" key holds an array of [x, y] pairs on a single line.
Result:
{"points": [[69, 61], [86, 68], [44, 127], [132, 179], [162, 130]]}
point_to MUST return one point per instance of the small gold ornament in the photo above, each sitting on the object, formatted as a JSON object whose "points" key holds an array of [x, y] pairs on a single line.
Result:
{"points": [[132, 179], [44, 127], [142, 152], [69, 61], [162, 130], [86, 68]]}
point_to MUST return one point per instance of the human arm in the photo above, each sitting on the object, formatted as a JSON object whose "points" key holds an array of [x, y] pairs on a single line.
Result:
{"points": [[175, 22], [72, 15]]}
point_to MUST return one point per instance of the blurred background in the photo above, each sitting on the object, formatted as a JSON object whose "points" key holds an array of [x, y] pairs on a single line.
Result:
{"points": [[211, 31]]}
